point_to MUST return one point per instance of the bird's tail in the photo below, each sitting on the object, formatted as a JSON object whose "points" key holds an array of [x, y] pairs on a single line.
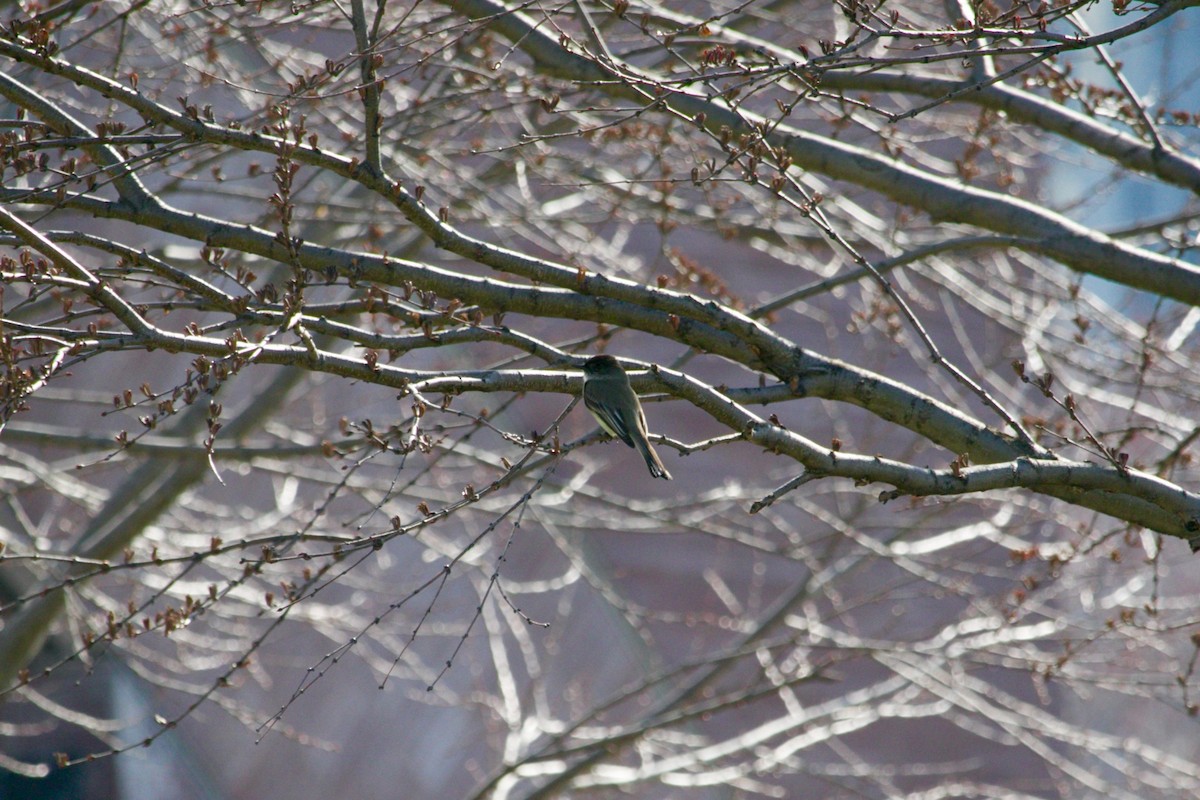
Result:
{"points": [[653, 461]]}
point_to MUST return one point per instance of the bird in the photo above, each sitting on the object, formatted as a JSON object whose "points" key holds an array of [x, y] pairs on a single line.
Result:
{"points": [[610, 398]]}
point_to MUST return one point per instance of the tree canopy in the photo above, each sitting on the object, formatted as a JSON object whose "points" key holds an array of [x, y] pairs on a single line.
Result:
{"points": [[295, 301]]}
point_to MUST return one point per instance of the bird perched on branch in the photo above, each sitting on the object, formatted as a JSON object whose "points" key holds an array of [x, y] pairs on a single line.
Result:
{"points": [[610, 398]]}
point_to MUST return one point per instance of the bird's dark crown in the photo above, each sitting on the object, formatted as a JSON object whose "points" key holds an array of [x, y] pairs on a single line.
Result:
{"points": [[601, 363]]}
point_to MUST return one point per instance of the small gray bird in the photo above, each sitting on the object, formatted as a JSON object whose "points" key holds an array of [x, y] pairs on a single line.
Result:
{"points": [[610, 398]]}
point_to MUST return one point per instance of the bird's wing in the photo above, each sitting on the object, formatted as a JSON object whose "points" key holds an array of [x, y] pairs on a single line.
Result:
{"points": [[613, 422]]}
